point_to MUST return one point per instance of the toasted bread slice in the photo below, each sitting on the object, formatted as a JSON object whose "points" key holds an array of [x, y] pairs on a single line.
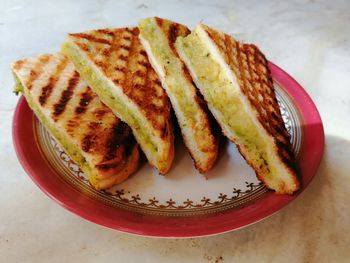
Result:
{"points": [[116, 67], [158, 38], [235, 81], [89, 132]]}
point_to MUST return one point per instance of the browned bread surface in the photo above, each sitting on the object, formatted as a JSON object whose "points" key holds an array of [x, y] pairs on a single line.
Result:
{"points": [[121, 57], [203, 145], [57, 90], [251, 69]]}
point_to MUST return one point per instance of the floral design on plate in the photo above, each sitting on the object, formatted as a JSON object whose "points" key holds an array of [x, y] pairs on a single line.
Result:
{"points": [[182, 204]]}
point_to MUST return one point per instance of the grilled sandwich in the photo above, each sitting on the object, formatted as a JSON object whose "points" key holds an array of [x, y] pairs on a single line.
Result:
{"points": [[235, 81], [89, 132], [116, 67], [158, 37]]}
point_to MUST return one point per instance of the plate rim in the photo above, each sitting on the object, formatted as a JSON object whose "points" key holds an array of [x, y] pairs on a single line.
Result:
{"points": [[123, 220]]}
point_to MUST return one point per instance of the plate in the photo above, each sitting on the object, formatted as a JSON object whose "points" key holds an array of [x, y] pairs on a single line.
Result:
{"points": [[184, 203]]}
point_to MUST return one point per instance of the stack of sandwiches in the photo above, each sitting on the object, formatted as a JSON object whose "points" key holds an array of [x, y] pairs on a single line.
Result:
{"points": [[111, 93]]}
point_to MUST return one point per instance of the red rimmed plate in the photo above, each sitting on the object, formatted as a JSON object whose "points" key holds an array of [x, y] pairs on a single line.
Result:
{"points": [[184, 203]]}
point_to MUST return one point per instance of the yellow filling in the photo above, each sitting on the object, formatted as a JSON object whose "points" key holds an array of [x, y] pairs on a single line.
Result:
{"points": [[218, 92], [176, 83], [73, 151]]}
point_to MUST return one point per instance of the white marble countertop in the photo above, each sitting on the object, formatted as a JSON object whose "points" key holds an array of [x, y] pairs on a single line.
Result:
{"points": [[308, 39]]}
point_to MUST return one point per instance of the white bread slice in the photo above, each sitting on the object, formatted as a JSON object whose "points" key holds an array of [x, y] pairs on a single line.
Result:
{"points": [[158, 38], [235, 81], [89, 132], [116, 67]]}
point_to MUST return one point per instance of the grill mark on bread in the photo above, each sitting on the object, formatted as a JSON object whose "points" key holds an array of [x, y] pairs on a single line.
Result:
{"points": [[88, 141], [143, 53], [240, 67], [18, 64], [227, 47], [66, 95], [272, 121], [36, 70], [85, 99], [132, 30], [285, 155], [119, 68], [106, 32], [123, 57], [128, 75], [91, 128], [91, 38], [108, 165], [257, 85], [170, 31], [107, 52], [47, 90], [140, 74], [159, 21], [117, 146], [172, 35], [99, 113], [94, 125], [273, 114], [144, 64], [119, 133], [157, 82], [125, 47], [126, 64]]}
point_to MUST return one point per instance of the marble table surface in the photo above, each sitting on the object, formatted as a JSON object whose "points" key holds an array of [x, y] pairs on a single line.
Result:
{"points": [[308, 39]]}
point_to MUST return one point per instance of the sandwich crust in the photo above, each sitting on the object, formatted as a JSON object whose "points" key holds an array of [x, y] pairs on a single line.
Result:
{"points": [[251, 69], [236, 81], [120, 59], [196, 123], [64, 102]]}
